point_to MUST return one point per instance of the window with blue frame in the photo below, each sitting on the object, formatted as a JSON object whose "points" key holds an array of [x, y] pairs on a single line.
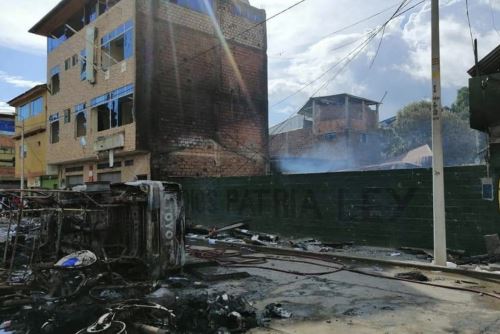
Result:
{"points": [[30, 109], [54, 128], [54, 42], [83, 65], [248, 12], [115, 108], [54, 80], [118, 45], [201, 6], [7, 127]]}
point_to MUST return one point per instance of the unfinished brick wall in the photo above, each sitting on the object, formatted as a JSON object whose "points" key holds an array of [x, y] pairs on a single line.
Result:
{"points": [[203, 113]]}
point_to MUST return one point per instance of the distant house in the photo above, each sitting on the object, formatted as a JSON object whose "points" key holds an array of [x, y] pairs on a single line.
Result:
{"points": [[339, 129], [420, 157], [387, 123]]}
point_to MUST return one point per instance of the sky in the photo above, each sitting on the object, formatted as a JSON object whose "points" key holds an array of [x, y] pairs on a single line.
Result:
{"points": [[304, 43]]}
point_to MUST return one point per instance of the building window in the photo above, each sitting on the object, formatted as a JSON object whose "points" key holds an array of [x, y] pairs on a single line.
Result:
{"points": [[30, 109], [83, 65], [54, 80], [202, 6], [67, 116], [129, 163], [114, 109], [74, 60], [53, 42], [67, 64], [117, 45], [74, 180], [112, 177], [331, 136], [91, 12], [105, 165], [74, 169], [54, 128], [81, 125], [81, 120], [247, 11]]}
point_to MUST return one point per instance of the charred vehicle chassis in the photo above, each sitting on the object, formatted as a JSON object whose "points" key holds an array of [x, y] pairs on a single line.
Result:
{"points": [[141, 222]]}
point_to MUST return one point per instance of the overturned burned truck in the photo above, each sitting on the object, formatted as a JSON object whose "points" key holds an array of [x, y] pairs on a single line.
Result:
{"points": [[139, 222]]}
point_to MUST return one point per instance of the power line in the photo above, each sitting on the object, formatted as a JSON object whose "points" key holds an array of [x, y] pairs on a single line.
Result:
{"points": [[383, 32], [470, 27], [215, 46], [356, 52], [352, 24], [372, 34], [493, 23]]}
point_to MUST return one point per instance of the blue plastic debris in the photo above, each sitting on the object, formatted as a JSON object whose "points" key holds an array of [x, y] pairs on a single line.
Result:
{"points": [[70, 262]]}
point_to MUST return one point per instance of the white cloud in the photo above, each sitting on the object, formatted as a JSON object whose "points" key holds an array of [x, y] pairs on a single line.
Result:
{"points": [[17, 81], [5, 108], [298, 54], [456, 46], [16, 18], [495, 4]]}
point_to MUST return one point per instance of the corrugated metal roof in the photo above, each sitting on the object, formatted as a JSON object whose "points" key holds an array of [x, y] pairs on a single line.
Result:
{"points": [[488, 65]]}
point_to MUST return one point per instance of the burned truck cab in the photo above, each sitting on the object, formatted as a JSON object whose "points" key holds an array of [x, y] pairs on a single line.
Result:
{"points": [[140, 221]]}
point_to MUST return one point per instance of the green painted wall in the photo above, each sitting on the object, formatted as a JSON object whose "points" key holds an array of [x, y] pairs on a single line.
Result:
{"points": [[49, 182], [384, 208]]}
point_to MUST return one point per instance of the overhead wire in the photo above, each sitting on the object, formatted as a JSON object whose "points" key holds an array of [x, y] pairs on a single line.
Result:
{"points": [[493, 23], [209, 49], [383, 32], [470, 26], [356, 51], [232, 38], [351, 25]]}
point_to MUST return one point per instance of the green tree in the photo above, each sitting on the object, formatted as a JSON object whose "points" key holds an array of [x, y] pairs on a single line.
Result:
{"points": [[461, 105], [413, 128]]}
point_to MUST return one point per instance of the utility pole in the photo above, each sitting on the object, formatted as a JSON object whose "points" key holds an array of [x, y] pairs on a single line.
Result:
{"points": [[437, 145], [22, 155]]}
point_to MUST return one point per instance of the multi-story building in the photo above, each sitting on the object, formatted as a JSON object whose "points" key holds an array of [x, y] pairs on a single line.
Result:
{"points": [[31, 119], [335, 132], [7, 150], [144, 89]]}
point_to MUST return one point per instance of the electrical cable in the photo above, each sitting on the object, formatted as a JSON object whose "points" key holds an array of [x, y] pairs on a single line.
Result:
{"points": [[493, 23], [219, 256], [348, 26], [470, 27], [219, 44], [373, 35], [383, 33]]}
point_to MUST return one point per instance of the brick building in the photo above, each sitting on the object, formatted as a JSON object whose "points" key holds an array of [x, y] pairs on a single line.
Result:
{"points": [[31, 115], [155, 88], [332, 133]]}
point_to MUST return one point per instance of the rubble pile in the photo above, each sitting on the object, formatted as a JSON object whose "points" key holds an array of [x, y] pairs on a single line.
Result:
{"points": [[79, 295]]}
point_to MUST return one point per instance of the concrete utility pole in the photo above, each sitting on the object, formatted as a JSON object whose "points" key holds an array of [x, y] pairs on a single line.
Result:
{"points": [[437, 146], [22, 156]]}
